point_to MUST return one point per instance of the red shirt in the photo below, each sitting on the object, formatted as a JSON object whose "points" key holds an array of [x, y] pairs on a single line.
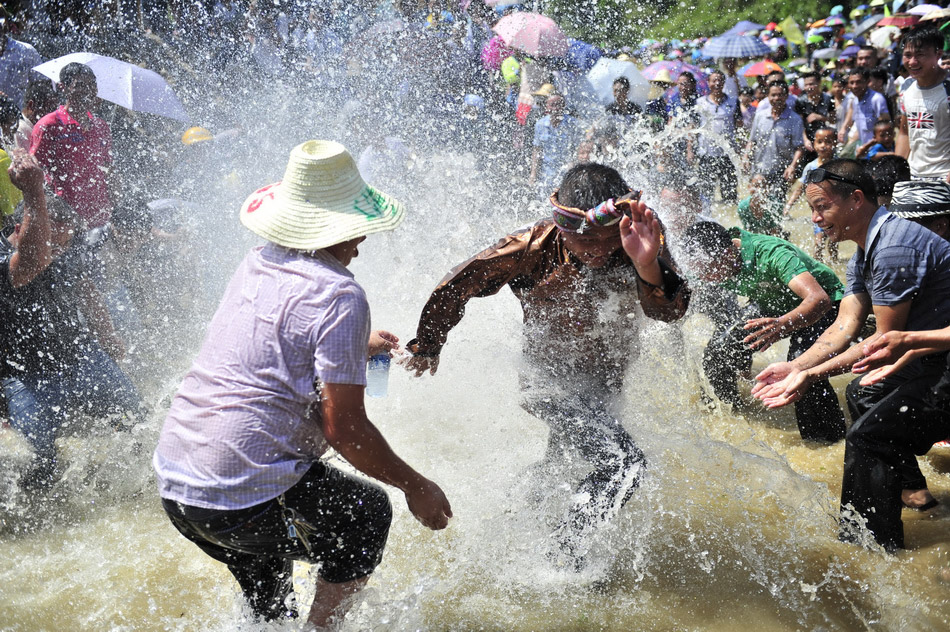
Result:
{"points": [[73, 159]]}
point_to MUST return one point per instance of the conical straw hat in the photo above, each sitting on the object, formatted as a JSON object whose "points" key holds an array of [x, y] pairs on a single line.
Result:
{"points": [[321, 201]]}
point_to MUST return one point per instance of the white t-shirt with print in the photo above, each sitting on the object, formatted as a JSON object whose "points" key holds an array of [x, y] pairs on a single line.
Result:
{"points": [[928, 127]]}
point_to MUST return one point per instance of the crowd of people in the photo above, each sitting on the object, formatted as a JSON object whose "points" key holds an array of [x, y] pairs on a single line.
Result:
{"points": [[281, 374]]}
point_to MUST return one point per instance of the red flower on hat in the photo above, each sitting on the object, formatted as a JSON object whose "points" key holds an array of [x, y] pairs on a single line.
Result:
{"points": [[260, 195]]}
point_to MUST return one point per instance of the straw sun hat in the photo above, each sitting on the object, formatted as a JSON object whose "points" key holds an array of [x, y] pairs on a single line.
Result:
{"points": [[321, 201]]}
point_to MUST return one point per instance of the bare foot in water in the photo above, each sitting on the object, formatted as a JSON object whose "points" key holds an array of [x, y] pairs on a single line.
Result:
{"points": [[919, 499]]}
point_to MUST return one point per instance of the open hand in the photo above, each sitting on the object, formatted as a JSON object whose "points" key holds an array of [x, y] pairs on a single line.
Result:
{"points": [[641, 235], [420, 364], [780, 384], [764, 332]]}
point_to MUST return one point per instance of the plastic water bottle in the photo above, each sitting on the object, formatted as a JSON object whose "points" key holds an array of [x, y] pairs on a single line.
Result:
{"points": [[377, 375]]}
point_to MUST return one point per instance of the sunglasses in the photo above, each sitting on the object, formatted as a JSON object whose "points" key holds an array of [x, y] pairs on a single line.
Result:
{"points": [[819, 174]]}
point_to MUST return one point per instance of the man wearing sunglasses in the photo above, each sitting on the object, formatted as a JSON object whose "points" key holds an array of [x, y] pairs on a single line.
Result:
{"points": [[901, 272], [579, 276]]}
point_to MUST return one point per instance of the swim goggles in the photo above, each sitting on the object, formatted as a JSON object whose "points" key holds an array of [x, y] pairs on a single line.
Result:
{"points": [[606, 213]]}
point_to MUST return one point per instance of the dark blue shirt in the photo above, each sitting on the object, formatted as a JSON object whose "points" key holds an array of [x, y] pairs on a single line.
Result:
{"points": [[904, 262]]}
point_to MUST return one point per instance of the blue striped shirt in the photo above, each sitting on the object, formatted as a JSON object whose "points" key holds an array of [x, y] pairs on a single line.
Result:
{"points": [[904, 262]]}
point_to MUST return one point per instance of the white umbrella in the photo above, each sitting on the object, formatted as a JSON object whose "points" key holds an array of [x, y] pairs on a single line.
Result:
{"points": [[881, 38], [124, 84], [606, 71]]}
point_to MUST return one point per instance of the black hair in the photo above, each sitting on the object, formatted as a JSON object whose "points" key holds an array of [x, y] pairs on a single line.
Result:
{"points": [[811, 74], [924, 36], [840, 79], [775, 72], [74, 70], [879, 74], [853, 171], [9, 112], [883, 123], [706, 238], [777, 83], [859, 71], [588, 184], [867, 48], [623, 81], [689, 76], [39, 90], [747, 91], [888, 171], [717, 72]]}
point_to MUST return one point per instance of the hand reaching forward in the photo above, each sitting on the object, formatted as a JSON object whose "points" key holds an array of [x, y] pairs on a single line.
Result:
{"points": [[429, 505], [780, 384]]}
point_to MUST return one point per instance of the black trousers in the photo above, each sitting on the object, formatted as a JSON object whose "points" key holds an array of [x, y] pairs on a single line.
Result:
{"points": [[581, 426], [349, 517], [713, 169], [818, 414], [906, 416]]}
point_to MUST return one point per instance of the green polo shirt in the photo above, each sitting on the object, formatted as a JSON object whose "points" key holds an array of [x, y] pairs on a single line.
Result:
{"points": [[768, 266]]}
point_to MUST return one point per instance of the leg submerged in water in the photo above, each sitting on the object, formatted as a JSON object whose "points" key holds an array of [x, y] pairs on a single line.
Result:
{"points": [[585, 426]]}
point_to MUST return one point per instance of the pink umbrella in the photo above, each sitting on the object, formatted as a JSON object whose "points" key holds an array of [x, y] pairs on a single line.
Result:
{"points": [[533, 34], [495, 52]]}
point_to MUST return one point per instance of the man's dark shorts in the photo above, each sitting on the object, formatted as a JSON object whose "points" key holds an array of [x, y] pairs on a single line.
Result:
{"points": [[350, 516]]}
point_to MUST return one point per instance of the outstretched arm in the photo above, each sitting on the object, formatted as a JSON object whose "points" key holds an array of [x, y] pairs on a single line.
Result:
{"points": [[348, 430]]}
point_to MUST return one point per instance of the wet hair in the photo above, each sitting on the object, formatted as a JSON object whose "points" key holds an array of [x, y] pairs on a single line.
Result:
{"points": [[746, 90], [883, 123], [855, 172], [586, 185], [826, 128], [811, 75], [73, 71], [9, 112], [623, 81], [777, 83], [923, 36], [888, 171], [840, 80], [775, 72], [39, 91], [863, 72], [689, 77], [716, 72], [868, 48], [707, 239]]}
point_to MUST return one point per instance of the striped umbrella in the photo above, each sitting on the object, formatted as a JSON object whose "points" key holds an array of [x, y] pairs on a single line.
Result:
{"points": [[738, 46]]}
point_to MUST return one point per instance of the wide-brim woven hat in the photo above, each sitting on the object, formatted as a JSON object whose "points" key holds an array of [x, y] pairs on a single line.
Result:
{"points": [[920, 198], [321, 201]]}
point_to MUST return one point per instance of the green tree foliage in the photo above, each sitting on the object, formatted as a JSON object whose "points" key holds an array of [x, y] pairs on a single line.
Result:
{"points": [[620, 22]]}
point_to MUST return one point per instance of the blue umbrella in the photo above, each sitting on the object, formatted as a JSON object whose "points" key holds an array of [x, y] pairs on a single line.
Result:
{"points": [[744, 26], [736, 46], [582, 55], [867, 24], [850, 51]]}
